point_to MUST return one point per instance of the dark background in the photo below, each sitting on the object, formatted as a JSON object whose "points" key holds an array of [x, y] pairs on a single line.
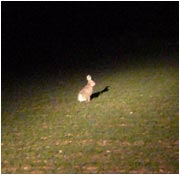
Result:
{"points": [[57, 37]]}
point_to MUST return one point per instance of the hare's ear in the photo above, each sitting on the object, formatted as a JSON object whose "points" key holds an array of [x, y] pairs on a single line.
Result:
{"points": [[88, 77]]}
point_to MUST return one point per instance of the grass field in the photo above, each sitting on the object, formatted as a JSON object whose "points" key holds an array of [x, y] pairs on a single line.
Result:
{"points": [[131, 128]]}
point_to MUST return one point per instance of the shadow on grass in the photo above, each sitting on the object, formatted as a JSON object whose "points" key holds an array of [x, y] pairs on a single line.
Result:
{"points": [[97, 94]]}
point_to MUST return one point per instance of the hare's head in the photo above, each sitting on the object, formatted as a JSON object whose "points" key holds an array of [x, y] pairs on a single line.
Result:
{"points": [[90, 81]]}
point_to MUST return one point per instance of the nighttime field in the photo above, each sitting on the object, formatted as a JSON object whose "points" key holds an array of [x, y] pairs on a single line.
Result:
{"points": [[131, 124]]}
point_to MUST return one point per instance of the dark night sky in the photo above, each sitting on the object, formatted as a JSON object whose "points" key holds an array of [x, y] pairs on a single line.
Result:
{"points": [[36, 35]]}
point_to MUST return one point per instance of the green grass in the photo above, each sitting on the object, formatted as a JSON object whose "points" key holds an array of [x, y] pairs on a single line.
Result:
{"points": [[132, 128]]}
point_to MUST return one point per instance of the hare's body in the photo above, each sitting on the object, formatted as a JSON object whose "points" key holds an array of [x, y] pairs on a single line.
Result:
{"points": [[86, 92]]}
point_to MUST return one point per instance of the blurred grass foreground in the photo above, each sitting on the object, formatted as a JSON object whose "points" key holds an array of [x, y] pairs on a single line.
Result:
{"points": [[132, 127]]}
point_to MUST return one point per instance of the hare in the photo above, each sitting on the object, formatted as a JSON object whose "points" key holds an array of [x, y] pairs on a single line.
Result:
{"points": [[86, 92]]}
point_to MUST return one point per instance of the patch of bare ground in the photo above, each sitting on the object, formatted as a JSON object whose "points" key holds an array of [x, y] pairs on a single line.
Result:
{"points": [[90, 169], [37, 172]]}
